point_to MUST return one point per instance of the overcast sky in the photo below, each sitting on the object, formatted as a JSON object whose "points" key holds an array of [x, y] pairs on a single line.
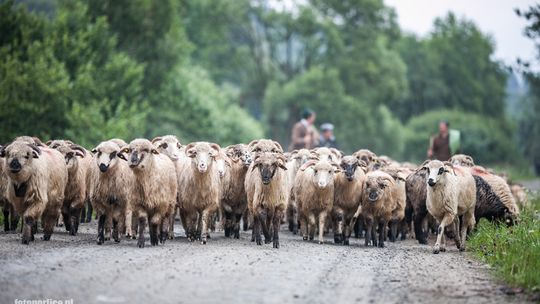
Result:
{"points": [[495, 17]]}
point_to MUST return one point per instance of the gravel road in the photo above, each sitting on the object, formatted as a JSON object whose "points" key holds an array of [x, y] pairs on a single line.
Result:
{"points": [[237, 271]]}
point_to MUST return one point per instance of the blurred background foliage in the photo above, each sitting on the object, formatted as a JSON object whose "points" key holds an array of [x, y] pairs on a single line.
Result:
{"points": [[233, 70]]}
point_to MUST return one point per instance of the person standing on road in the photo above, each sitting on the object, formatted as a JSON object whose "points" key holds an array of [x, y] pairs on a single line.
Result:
{"points": [[327, 138], [304, 135], [439, 145]]}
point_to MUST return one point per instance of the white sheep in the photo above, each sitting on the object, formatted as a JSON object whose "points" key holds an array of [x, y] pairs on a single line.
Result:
{"points": [[295, 160], [198, 189], [314, 192], [37, 181], [156, 184], [112, 189], [267, 191], [451, 193]]}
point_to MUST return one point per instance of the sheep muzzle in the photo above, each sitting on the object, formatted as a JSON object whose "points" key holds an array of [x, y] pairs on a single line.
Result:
{"points": [[103, 168], [373, 196], [15, 166]]}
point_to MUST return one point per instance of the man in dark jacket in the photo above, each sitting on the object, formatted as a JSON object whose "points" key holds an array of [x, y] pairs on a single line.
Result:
{"points": [[439, 147], [327, 138]]}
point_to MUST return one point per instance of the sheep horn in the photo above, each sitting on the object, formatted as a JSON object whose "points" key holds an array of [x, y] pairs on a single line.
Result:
{"points": [[252, 143], [308, 164], [79, 148], [156, 139], [38, 142], [35, 148], [278, 146]]}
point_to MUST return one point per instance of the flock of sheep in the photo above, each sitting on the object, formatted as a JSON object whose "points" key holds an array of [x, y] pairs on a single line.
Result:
{"points": [[147, 183]]}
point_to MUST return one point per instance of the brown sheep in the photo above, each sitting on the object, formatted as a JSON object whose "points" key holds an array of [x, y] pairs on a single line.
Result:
{"points": [[296, 159], [416, 193], [265, 145], [11, 218], [198, 188], [234, 200], [38, 176], [377, 206], [348, 191], [399, 194], [266, 188], [78, 162], [156, 184], [314, 191]]}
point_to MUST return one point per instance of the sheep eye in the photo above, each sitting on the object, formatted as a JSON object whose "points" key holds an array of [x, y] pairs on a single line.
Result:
{"points": [[99, 154], [27, 156], [113, 155], [381, 185], [441, 170], [315, 171], [164, 145]]}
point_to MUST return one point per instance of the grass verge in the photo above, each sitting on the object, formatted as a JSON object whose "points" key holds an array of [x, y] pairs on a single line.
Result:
{"points": [[514, 252]]}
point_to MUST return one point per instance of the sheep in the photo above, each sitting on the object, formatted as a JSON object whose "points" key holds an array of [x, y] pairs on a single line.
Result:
{"points": [[449, 197], [348, 187], [233, 202], [30, 140], [296, 159], [37, 180], [266, 188], [377, 205], [11, 218], [331, 154], [112, 188], [416, 194], [314, 191], [157, 186], [494, 198], [78, 162], [170, 146], [365, 155], [199, 188], [399, 194], [520, 195], [265, 145]]}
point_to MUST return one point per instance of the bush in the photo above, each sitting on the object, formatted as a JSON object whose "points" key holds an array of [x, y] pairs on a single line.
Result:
{"points": [[514, 252], [487, 140]]}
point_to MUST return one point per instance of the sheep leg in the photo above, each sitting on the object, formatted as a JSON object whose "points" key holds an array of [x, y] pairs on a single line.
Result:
{"points": [[269, 221], [108, 226], [205, 221], [142, 226], [322, 224], [171, 225], [447, 219], [199, 227], [278, 216], [346, 231], [129, 220], [89, 210], [263, 215], [369, 226], [311, 226], [27, 234], [393, 230], [420, 229], [5, 212], [66, 218], [228, 223], [83, 213], [295, 221], [48, 220], [467, 223], [290, 219], [245, 220], [115, 232], [304, 227], [236, 228], [75, 214], [101, 229], [257, 230], [338, 227], [164, 233], [382, 232]]}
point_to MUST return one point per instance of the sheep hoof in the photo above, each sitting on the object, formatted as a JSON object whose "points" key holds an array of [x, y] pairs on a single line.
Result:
{"points": [[203, 242], [462, 248], [346, 242], [443, 249], [259, 241], [321, 242], [25, 241], [305, 238], [276, 244], [381, 245], [140, 243], [436, 251]]}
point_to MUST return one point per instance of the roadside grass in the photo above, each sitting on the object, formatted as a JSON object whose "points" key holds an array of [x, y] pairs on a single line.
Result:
{"points": [[513, 252]]}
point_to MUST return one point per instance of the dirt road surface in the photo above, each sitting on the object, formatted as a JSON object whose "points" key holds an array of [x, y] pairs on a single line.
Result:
{"points": [[238, 271]]}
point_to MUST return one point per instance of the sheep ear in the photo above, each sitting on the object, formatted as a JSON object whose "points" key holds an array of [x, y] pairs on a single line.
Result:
{"points": [[179, 145], [216, 148], [154, 151], [94, 151]]}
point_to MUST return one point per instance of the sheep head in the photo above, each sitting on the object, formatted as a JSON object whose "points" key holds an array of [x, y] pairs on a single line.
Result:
{"points": [[71, 154], [376, 185], [265, 145], [18, 159], [168, 145], [301, 156], [268, 164], [139, 152], [239, 152], [323, 173], [462, 160], [365, 155], [349, 165], [107, 155], [202, 155], [437, 172]]}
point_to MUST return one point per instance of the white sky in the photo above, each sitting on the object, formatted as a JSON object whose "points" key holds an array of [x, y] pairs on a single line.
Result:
{"points": [[495, 17]]}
